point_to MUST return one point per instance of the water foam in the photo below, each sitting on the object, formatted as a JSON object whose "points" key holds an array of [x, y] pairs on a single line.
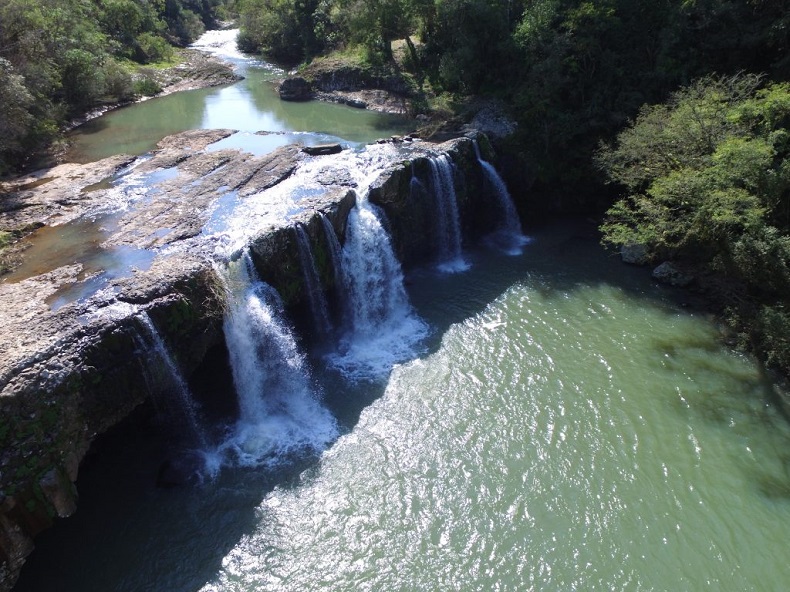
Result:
{"points": [[279, 409], [221, 44], [383, 329]]}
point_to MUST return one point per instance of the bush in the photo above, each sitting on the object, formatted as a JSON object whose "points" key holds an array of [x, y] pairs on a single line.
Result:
{"points": [[707, 177], [146, 85], [15, 117], [152, 48], [187, 27], [82, 79], [118, 82]]}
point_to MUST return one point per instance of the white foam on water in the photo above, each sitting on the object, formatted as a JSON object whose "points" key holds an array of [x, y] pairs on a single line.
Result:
{"points": [[383, 329], [221, 44], [280, 413]]}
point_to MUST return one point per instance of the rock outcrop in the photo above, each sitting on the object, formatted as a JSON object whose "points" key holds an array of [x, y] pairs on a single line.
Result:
{"points": [[669, 273], [387, 91], [76, 358], [295, 88]]}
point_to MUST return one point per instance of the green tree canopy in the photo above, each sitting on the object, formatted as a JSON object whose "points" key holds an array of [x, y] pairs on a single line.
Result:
{"points": [[707, 180]]}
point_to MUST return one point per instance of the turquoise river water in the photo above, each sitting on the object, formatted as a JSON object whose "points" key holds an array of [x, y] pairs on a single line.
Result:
{"points": [[567, 426]]}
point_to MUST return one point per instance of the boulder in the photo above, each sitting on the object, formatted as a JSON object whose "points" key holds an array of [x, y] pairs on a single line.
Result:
{"points": [[635, 254], [295, 89], [668, 273], [322, 149]]}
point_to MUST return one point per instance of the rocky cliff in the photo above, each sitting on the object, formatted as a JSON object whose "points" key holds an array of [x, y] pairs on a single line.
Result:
{"points": [[138, 244]]}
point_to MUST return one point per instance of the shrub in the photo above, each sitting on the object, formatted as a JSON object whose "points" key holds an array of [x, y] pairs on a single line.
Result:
{"points": [[118, 82], [152, 48]]}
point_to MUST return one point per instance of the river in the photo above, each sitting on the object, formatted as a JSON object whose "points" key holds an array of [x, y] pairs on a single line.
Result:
{"points": [[249, 106], [566, 425]]}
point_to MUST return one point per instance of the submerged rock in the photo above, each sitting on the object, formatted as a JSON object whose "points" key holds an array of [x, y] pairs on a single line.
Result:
{"points": [[181, 470], [669, 273]]}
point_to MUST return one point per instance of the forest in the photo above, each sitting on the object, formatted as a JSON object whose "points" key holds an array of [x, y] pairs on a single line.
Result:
{"points": [[667, 119], [61, 58]]}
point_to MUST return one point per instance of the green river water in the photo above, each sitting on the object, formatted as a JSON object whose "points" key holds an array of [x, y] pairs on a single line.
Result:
{"points": [[249, 106], [570, 426]]}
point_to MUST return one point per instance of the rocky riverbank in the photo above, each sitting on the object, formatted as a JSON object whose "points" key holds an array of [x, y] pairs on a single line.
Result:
{"points": [[386, 90]]}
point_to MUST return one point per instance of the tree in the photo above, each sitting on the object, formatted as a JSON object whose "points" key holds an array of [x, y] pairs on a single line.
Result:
{"points": [[15, 117], [708, 182], [282, 29]]}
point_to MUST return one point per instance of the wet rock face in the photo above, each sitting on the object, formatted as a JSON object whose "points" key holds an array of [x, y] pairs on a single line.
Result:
{"points": [[405, 194], [668, 273], [75, 359], [383, 91], [295, 89]]}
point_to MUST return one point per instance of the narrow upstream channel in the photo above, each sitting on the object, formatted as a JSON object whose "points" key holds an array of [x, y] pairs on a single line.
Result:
{"points": [[251, 105], [560, 422]]}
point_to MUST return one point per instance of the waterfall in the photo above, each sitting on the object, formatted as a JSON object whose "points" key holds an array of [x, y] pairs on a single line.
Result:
{"points": [[336, 256], [509, 236], [382, 328], [279, 410], [335, 252], [315, 293], [180, 407], [447, 221]]}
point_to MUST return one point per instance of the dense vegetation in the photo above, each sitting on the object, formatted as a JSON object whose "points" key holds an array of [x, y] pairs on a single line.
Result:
{"points": [[708, 181], [705, 174], [573, 71], [61, 57]]}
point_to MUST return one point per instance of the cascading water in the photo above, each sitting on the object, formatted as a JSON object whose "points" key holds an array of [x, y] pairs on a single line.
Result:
{"points": [[509, 237], [335, 250], [180, 407], [279, 410], [336, 256], [447, 220], [382, 329], [315, 293]]}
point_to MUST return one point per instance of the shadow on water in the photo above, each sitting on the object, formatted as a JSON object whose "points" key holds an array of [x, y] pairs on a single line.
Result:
{"points": [[560, 257], [131, 535]]}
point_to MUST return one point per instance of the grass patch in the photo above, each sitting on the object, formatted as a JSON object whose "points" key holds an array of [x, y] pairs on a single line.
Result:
{"points": [[175, 58], [7, 239]]}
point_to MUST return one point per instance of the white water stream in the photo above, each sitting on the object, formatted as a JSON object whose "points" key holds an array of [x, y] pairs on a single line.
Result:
{"points": [[448, 223], [280, 413]]}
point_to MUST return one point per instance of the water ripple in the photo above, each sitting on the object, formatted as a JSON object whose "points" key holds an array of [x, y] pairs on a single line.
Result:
{"points": [[566, 437]]}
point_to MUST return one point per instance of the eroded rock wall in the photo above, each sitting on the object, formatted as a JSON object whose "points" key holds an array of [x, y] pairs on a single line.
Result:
{"points": [[410, 206], [91, 377]]}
